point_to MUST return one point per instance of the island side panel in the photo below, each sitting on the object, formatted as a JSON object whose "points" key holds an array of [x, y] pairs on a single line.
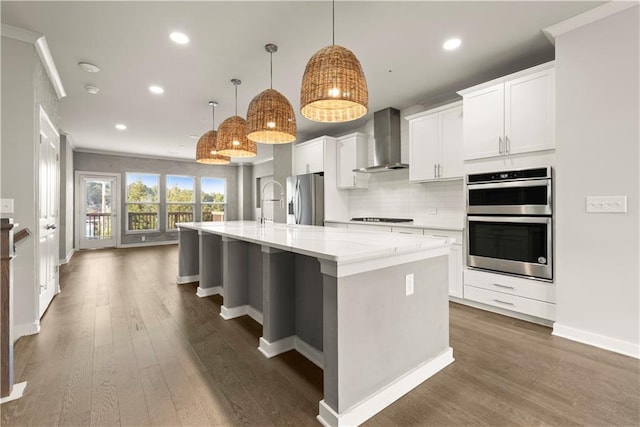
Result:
{"points": [[255, 297], [235, 274], [210, 264], [308, 300], [381, 333], [279, 294], [188, 258]]}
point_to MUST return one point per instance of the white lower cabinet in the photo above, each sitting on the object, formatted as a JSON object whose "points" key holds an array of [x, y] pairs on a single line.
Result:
{"points": [[407, 230], [526, 296]]}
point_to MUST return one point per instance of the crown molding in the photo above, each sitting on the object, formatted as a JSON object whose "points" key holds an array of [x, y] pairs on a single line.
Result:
{"points": [[40, 43], [586, 18]]}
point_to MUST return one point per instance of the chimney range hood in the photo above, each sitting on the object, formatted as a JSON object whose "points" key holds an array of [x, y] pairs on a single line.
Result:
{"points": [[386, 142]]}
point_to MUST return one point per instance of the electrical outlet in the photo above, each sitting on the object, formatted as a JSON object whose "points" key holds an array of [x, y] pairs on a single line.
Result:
{"points": [[143, 238], [408, 283], [607, 204], [6, 206]]}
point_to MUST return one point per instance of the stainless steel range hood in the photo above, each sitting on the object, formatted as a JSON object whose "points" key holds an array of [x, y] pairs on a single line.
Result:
{"points": [[386, 142]]}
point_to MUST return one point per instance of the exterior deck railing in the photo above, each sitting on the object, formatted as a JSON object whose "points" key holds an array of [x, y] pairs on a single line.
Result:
{"points": [[98, 225]]}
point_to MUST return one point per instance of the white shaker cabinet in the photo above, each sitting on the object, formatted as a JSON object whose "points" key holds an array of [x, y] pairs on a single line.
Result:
{"points": [[351, 153], [511, 115], [308, 157], [435, 144]]}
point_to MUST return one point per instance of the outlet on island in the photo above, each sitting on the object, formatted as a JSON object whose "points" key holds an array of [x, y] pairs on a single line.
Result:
{"points": [[143, 238]]}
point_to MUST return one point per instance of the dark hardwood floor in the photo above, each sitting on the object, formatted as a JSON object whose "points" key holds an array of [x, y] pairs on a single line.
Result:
{"points": [[123, 344]]}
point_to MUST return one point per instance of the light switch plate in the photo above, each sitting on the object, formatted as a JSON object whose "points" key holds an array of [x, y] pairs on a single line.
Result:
{"points": [[409, 284], [606, 204], [6, 206]]}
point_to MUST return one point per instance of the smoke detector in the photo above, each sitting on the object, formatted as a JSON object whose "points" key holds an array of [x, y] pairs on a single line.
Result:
{"points": [[92, 89], [89, 68]]}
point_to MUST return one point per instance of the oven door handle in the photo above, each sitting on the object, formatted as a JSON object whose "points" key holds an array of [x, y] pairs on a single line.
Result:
{"points": [[512, 219], [511, 184]]}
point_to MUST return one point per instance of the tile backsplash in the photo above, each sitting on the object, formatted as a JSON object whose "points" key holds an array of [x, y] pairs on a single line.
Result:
{"points": [[391, 195]]}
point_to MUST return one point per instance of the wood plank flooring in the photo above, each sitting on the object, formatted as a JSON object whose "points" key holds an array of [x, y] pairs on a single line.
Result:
{"points": [[122, 344]]}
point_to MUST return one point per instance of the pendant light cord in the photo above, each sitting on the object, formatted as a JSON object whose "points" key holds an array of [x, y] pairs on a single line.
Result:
{"points": [[333, 22], [213, 116], [236, 99], [271, 70]]}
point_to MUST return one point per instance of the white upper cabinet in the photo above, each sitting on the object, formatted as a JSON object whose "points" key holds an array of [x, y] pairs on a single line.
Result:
{"points": [[435, 144], [351, 153], [308, 157], [511, 115]]}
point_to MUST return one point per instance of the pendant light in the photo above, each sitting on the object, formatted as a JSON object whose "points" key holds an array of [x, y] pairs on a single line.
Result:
{"points": [[334, 88], [270, 117], [232, 134], [206, 149]]}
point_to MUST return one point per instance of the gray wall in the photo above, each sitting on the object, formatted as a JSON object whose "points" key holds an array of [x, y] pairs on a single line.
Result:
{"points": [[597, 155], [282, 168], [121, 164], [25, 86], [66, 198], [245, 196], [261, 170]]}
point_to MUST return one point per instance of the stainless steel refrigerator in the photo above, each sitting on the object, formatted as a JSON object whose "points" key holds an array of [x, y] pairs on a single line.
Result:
{"points": [[305, 199]]}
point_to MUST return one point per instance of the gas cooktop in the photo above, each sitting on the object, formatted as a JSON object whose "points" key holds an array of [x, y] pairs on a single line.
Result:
{"points": [[374, 219]]}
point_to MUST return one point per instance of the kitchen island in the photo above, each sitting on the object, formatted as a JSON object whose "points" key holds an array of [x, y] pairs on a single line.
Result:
{"points": [[369, 308]]}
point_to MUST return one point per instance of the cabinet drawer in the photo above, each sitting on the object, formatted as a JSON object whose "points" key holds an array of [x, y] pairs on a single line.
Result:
{"points": [[406, 230], [335, 224], [517, 286], [528, 306], [380, 228], [455, 235]]}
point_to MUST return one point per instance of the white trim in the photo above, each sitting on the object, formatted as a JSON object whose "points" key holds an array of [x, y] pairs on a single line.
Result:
{"points": [[181, 280], [293, 342], [601, 341], [143, 156], [504, 312], [116, 223], [270, 159], [20, 34], [255, 314], [445, 107], [272, 349], [207, 292], [25, 329], [586, 18], [516, 75], [382, 398], [141, 244], [16, 392], [68, 257], [50, 66], [233, 312]]}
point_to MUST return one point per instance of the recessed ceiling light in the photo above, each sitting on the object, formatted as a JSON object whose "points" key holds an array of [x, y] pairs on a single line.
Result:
{"points": [[92, 89], [89, 68], [179, 38], [452, 44], [156, 89], [120, 126]]}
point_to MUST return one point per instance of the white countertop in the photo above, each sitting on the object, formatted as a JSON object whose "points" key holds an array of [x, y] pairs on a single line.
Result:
{"points": [[414, 224], [334, 244]]}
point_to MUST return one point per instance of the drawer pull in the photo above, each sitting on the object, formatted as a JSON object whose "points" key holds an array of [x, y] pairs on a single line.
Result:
{"points": [[503, 286], [503, 302]]}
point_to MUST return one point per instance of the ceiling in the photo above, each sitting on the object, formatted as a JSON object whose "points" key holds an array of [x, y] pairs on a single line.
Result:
{"points": [[399, 45]]}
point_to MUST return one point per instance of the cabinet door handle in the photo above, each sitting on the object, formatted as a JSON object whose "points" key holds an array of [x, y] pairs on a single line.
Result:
{"points": [[435, 168], [439, 174], [504, 302], [507, 145], [500, 145], [503, 286]]}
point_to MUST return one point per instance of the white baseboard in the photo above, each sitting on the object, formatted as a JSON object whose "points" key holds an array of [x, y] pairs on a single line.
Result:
{"points": [[16, 392], [498, 310], [379, 400], [596, 340], [25, 329], [141, 244], [68, 257], [241, 310], [293, 342], [207, 292], [181, 280]]}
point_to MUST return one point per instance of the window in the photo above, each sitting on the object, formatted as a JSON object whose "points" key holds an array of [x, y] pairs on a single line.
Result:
{"points": [[143, 202], [213, 198], [181, 200]]}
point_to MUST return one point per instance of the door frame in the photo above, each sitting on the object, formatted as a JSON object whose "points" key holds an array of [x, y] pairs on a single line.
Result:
{"points": [[78, 210]]}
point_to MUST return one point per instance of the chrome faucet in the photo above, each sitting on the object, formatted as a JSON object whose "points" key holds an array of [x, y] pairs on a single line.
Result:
{"points": [[263, 220]]}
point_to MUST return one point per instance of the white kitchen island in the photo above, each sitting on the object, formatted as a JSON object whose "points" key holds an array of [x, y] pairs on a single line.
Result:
{"points": [[337, 296]]}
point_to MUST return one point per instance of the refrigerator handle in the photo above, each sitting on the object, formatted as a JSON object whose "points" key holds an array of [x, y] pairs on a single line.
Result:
{"points": [[297, 203]]}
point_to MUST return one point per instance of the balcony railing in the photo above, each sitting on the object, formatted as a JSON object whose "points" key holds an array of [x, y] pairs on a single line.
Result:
{"points": [[142, 221], [98, 225], [179, 217], [212, 216]]}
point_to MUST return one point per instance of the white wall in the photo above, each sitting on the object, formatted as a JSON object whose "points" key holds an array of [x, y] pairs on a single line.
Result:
{"points": [[265, 172], [597, 155], [25, 86], [66, 198]]}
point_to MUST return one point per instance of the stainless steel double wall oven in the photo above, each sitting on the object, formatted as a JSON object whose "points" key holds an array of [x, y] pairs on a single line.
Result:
{"points": [[510, 222]]}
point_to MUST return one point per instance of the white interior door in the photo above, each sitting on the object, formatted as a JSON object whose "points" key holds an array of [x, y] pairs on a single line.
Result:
{"points": [[98, 225], [49, 201]]}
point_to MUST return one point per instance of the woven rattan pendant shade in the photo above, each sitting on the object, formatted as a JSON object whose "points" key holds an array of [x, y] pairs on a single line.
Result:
{"points": [[270, 117], [206, 148], [334, 88], [232, 135]]}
